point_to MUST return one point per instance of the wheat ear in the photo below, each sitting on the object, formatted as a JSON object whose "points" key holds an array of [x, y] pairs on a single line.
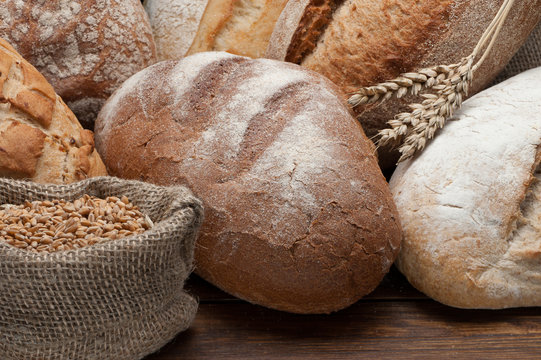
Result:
{"points": [[442, 87]]}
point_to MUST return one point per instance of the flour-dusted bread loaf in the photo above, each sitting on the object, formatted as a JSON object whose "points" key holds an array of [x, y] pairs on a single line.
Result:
{"points": [[361, 43], [85, 49], [40, 138], [184, 27], [470, 204], [298, 216]]}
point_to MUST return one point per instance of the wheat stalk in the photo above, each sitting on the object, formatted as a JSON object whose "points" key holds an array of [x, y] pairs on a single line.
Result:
{"points": [[442, 87]]}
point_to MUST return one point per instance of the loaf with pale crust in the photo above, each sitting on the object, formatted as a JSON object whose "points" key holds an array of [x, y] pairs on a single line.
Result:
{"points": [[361, 43], [184, 27], [40, 138], [85, 49], [298, 215], [470, 204]]}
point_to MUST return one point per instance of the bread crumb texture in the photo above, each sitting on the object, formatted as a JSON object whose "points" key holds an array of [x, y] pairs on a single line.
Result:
{"points": [[85, 49], [40, 138], [298, 215], [469, 204]]}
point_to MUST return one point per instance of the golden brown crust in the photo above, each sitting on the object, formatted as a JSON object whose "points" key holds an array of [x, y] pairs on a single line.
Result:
{"points": [[183, 27], [20, 148], [41, 138], [298, 215], [370, 42], [316, 16]]}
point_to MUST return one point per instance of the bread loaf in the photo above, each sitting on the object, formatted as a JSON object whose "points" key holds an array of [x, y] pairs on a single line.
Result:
{"points": [[85, 49], [470, 204], [361, 43], [298, 215], [40, 138], [184, 27]]}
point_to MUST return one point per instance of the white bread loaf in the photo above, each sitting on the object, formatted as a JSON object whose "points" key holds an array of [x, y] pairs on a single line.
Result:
{"points": [[184, 27], [298, 216], [358, 43], [470, 204], [85, 49], [40, 138]]}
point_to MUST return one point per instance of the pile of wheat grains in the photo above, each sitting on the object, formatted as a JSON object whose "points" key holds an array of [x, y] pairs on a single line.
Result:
{"points": [[57, 225]]}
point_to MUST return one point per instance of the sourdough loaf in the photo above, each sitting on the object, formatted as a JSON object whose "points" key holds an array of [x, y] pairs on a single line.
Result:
{"points": [[184, 27], [298, 215], [361, 43], [470, 204], [85, 49], [40, 138]]}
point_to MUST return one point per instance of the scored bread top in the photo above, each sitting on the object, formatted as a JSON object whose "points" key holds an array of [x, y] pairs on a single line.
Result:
{"points": [[470, 203], [361, 43], [40, 138], [184, 27], [298, 215]]}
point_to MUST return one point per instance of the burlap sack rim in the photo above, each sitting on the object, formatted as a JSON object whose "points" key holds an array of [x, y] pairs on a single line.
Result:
{"points": [[159, 226], [186, 209]]}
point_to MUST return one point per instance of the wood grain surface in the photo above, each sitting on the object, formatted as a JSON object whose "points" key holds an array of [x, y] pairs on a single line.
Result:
{"points": [[394, 322]]}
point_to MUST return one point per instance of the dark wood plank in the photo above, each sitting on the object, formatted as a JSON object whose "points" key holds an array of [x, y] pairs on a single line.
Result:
{"points": [[383, 329]]}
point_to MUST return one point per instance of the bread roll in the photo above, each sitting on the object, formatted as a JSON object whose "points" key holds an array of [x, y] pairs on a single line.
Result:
{"points": [[40, 138], [361, 43], [298, 215], [184, 27], [85, 49], [470, 204]]}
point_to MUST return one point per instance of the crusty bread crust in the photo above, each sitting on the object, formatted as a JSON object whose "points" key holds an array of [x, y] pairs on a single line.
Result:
{"points": [[298, 215], [367, 42], [85, 49], [184, 27], [470, 203], [40, 138]]}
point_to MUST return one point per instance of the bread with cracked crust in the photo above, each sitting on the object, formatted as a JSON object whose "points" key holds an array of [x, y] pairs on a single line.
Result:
{"points": [[298, 216], [361, 43], [84, 48], [470, 203], [40, 138]]}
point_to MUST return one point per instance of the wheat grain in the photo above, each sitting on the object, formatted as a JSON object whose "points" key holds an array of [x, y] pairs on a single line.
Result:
{"points": [[49, 226], [449, 84]]}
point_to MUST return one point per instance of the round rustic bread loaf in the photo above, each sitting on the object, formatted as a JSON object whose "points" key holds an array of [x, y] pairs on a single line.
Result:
{"points": [[40, 138], [85, 49], [298, 215], [184, 27], [470, 204], [358, 43]]}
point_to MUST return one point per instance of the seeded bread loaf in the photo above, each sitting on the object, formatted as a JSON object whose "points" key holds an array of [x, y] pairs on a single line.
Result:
{"points": [[184, 27], [470, 204], [361, 43], [85, 49], [40, 138], [298, 215]]}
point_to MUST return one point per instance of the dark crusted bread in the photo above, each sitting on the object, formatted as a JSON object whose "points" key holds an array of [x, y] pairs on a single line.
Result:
{"points": [[361, 43], [85, 49], [298, 215], [40, 138]]}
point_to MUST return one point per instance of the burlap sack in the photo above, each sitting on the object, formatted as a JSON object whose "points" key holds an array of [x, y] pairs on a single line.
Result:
{"points": [[528, 57], [122, 299]]}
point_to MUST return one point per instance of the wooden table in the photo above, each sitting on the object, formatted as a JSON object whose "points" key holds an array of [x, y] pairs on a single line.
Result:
{"points": [[393, 322]]}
